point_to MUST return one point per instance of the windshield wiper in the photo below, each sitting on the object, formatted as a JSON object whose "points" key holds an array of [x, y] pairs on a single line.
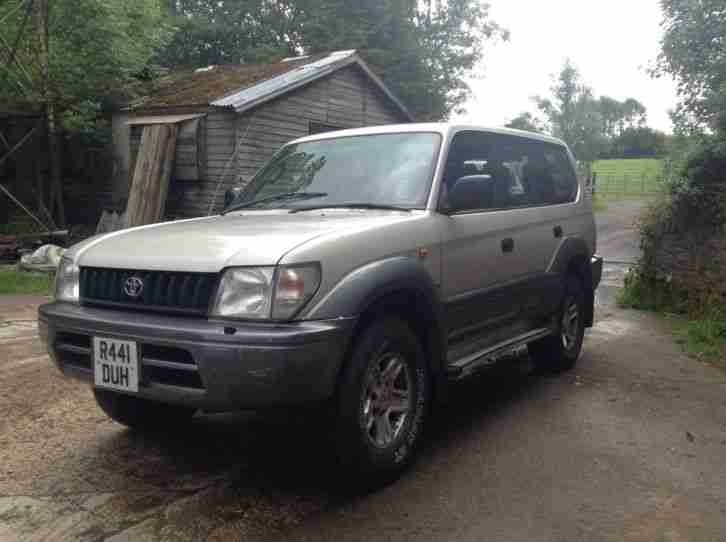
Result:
{"points": [[352, 206], [277, 197]]}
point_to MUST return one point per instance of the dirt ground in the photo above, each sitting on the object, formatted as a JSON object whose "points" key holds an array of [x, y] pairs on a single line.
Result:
{"points": [[629, 446]]}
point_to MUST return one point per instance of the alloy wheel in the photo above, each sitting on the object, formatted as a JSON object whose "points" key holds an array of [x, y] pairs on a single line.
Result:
{"points": [[387, 399], [570, 323]]}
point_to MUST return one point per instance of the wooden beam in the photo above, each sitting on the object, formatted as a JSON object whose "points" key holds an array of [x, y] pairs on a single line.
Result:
{"points": [[19, 144], [23, 207], [150, 183]]}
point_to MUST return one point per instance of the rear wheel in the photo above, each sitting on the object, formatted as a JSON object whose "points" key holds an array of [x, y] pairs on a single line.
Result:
{"points": [[137, 413], [559, 352], [383, 398]]}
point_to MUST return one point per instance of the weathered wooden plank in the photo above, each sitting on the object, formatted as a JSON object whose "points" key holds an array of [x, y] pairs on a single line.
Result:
{"points": [[150, 183]]}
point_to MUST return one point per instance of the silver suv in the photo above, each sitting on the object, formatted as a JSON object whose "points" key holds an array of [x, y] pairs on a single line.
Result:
{"points": [[362, 269]]}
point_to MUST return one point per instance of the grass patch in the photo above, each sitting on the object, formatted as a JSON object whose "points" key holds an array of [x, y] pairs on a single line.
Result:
{"points": [[643, 295], [599, 204], [704, 338], [632, 176], [13, 281]]}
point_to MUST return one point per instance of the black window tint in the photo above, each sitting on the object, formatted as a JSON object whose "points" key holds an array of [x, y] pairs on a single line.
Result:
{"points": [[467, 168], [493, 171], [563, 175]]}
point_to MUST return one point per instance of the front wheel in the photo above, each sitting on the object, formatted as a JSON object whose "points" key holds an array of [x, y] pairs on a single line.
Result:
{"points": [[383, 398], [137, 413], [559, 352]]}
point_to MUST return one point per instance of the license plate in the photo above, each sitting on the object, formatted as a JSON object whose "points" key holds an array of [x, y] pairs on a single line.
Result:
{"points": [[115, 364]]}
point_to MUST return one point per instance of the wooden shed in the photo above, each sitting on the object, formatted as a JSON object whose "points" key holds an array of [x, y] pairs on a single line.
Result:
{"points": [[231, 119]]}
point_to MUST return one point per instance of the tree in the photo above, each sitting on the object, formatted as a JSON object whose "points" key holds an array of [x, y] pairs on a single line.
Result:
{"points": [[638, 141], [525, 121], [634, 114], [611, 111], [213, 32], [693, 50], [618, 116], [76, 56], [573, 115], [422, 50]]}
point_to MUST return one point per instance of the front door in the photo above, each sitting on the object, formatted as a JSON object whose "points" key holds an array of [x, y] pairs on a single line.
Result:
{"points": [[484, 250]]}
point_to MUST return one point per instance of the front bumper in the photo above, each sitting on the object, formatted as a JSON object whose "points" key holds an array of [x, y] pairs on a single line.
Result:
{"points": [[213, 365]]}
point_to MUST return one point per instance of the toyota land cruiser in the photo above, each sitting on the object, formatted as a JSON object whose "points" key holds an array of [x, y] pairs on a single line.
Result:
{"points": [[364, 269]]}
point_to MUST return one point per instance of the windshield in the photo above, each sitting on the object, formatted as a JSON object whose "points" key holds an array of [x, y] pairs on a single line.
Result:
{"points": [[380, 169]]}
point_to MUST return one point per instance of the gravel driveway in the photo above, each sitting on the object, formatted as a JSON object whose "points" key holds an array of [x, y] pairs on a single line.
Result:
{"points": [[629, 446]]}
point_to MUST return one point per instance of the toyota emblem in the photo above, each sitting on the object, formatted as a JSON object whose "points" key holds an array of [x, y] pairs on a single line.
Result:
{"points": [[133, 287]]}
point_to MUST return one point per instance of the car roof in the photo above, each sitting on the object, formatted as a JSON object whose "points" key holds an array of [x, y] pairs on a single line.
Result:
{"points": [[443, 128]]}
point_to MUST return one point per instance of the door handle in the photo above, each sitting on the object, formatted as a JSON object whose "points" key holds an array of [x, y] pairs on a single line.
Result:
{"points": [[507, 244], [557, 230]]}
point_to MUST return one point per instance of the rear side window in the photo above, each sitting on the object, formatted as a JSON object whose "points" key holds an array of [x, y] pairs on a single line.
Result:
{"points": [[493, 171], [564, 179]]}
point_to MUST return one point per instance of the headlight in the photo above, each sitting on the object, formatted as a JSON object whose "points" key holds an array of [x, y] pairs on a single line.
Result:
{"points": [[265, 292], [66, 281]]}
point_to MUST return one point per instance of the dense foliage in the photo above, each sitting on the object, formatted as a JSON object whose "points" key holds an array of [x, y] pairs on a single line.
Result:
{"points": [[693, 50], [95, 51], [693, 207], [211, 32]]}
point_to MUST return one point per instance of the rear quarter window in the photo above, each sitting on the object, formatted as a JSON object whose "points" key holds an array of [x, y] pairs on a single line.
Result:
{"points": [[563, 175]]}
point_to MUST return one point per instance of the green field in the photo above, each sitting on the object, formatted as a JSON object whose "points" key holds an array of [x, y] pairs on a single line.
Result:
{"points": [[628, 176], [21, 282]]}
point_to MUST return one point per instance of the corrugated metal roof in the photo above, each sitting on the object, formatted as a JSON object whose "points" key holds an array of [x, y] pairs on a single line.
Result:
{"points": [[299, 75], [245, 86]]}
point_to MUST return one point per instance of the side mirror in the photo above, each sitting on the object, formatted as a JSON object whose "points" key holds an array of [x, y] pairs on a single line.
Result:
{"points": [[469, 192], [230, 195]]}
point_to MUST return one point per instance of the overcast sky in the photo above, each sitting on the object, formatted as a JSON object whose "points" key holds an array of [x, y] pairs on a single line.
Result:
{"points": [[612, 43]]}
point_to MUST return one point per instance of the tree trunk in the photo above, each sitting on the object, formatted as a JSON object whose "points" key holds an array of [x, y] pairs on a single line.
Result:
{"points": [[54, 151], [57, 205]]}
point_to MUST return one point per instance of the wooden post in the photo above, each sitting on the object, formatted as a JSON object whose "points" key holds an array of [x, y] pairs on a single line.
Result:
{"points": [[150, 183]]}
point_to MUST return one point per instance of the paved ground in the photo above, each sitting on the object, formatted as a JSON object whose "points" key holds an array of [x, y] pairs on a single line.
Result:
{"points": [[629, 446], [617, 231]]}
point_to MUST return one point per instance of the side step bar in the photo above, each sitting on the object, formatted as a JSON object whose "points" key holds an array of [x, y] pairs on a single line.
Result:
{"points": [[468, 364]]}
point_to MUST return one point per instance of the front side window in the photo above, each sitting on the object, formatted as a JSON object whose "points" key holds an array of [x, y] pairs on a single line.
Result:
{"points": [[487, 171], [378, 169]]}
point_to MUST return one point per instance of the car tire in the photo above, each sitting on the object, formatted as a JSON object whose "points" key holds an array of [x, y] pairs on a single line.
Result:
{"points": [[559, 352], [382, 403], [137, 413]]}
